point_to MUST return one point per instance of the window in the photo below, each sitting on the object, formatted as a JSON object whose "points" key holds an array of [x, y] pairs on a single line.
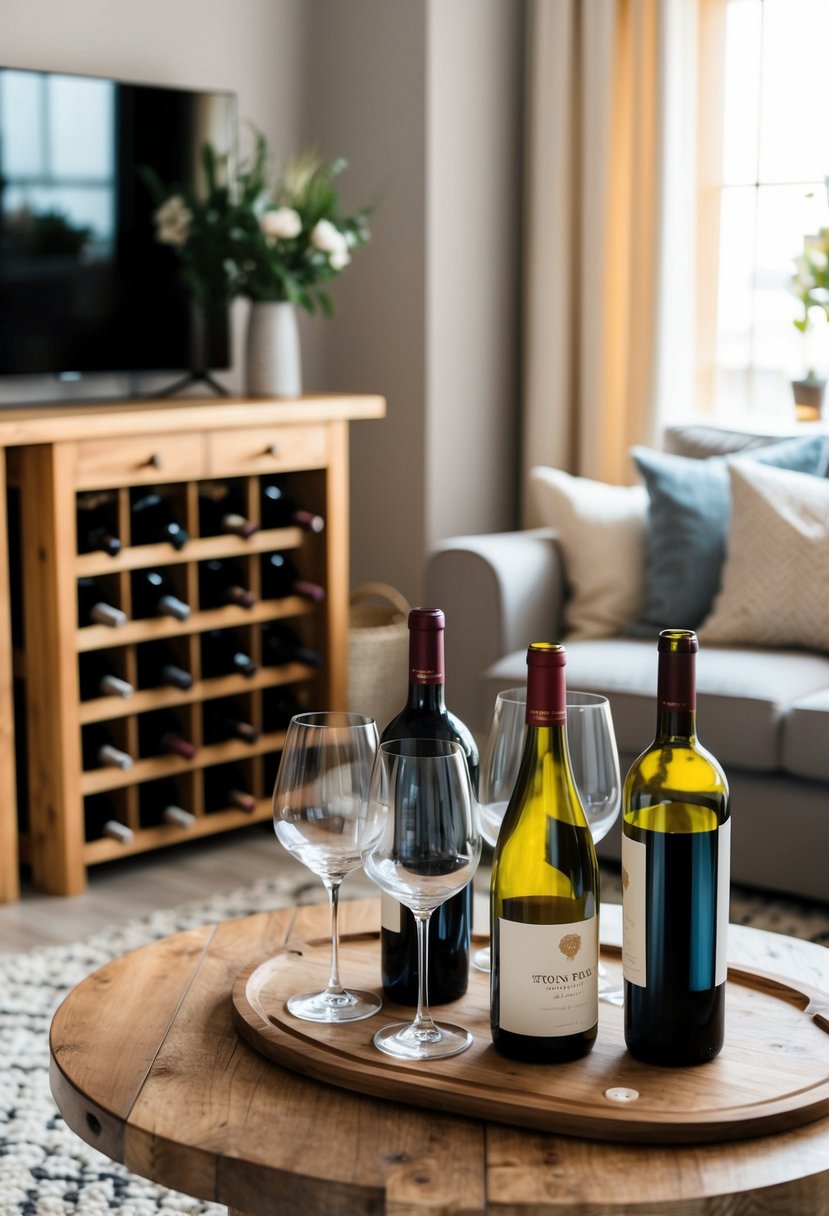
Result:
{"points": [[775, 160]]}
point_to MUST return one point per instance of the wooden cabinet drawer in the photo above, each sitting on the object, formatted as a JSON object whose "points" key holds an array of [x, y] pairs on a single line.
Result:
{"points": [[267, 449], [139, 459]]}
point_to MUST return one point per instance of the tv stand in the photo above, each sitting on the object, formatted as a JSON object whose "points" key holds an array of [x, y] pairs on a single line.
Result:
{"points": [[195, 377]]}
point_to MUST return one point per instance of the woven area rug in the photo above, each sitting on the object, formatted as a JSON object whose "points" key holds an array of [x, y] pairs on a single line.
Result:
{"points": [[45, 1170]]}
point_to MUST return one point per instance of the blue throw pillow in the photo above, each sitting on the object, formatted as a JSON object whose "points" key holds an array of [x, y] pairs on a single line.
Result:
{"points": [[687, 529]]}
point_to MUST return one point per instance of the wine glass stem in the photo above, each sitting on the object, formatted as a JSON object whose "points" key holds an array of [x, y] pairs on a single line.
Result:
{"points": [[423, 1018], [334, 988]]}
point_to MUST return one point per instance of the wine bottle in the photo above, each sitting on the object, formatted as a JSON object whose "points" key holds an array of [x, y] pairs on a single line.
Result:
{"points": [[153, 521], [99, 678], [101, 820], [279, 510], [159, 665], [545, 890], [161, 733], [160, 803], [96, 527], [223, 654], [225, 787], [100, 750], [425, 716], [224, 720], [222, 511], [676, 850], [93, 607], [279, 705], [281, 644], [280, 578], [222, 583], [154, 595]]}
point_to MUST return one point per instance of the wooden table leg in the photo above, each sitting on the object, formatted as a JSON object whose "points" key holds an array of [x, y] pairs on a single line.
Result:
{"points": [[9, 862]]}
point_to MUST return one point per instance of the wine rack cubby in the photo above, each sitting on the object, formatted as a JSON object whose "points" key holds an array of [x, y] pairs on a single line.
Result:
{"points": [[155, 672]]}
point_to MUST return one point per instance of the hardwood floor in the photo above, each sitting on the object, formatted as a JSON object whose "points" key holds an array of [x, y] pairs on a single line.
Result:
{"points": [[122, 890]]}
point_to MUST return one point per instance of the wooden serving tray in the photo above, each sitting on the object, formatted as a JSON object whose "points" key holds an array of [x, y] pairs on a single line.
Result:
{"points": [[772, 1075]]}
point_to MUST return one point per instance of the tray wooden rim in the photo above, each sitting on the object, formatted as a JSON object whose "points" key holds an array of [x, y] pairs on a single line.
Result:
{"points": [[298, 1046]]}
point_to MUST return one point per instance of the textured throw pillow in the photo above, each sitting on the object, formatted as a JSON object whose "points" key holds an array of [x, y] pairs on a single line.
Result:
{"points": [[601, 533], [775, 584], [688, 518]]}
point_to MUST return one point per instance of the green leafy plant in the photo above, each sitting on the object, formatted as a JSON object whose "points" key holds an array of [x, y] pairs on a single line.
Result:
{"points": [[810, 282]]}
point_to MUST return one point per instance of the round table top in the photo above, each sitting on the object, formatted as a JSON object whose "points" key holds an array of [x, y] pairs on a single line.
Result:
{"points": [[148, 1068]]}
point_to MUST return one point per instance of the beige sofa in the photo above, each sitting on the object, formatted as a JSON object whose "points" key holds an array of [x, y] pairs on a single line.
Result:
{"points": [[762, 710]]}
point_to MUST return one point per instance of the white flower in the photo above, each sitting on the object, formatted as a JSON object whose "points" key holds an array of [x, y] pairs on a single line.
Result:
{"points": [[282, 223], [327, 237], [173, 220], [339, 259]]}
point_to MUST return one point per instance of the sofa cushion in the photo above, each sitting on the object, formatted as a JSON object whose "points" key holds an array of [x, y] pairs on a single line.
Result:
{"points": [[805, 740], [701, 439], [775, 581], [742, 693], [688, 522], [601, 534]]}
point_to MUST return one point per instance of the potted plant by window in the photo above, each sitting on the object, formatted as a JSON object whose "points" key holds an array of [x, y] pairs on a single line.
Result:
{"points": [[810, 283]]}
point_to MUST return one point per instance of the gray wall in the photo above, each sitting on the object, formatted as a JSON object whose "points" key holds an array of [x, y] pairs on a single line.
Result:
{"points": [[423, 99]]}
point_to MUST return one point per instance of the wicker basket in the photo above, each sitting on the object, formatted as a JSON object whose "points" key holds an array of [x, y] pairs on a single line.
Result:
{"points": [[378, 651]]}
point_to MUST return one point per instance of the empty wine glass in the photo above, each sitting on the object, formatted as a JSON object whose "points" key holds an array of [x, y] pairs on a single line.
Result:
{"points": [[421, 844], [320, 788]]}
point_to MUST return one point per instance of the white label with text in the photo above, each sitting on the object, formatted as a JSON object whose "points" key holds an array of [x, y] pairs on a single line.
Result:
{"points": [[549, 981]]}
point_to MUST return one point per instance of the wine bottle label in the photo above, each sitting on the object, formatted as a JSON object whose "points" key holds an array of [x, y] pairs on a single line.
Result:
{"points": [[391, 912], [549, 977], [634, 870]]}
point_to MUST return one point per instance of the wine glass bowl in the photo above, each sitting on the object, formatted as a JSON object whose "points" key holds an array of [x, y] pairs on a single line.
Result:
{"points": [[421, 844], [320, 789]]}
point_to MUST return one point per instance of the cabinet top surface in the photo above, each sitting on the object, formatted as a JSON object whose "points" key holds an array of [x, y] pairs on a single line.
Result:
{"points": [[70, 420]]}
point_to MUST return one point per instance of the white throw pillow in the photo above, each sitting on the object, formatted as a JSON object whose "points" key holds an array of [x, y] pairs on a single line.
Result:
{"points": [[775, 582], [601, 532]]}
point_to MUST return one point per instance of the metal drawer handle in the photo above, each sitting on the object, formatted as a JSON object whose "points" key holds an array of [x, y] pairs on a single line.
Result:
{"points": [[156, 460], [272, 449]]}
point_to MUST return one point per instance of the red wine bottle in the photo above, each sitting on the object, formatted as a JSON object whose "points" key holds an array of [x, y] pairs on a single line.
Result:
{"points": [[279, 705], [94, 607], [101, 751], [281, 644], [226, 788], [676, 848], [160, 803], [153, 521], [279, 510], [154, 595], [222, 511], [425, 716], [96, 524], [281, 578], [221, 583], [99, 678], [225, 720], [223, 654], [101, 820], [161, 733], [159, 666]]}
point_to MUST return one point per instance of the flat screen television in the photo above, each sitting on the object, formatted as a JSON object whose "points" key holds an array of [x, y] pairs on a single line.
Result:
{"points": [[84, 285]]}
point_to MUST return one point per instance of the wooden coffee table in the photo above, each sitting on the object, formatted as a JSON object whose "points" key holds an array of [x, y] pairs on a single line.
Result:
{"points": [[148, 1068]]}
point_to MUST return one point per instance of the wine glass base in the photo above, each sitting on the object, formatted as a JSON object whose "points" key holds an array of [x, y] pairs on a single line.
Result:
{"points": [[351, 1005], [403, 1041], [482, 960]]}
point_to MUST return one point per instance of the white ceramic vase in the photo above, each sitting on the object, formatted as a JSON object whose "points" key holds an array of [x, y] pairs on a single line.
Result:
{"points": [[274, 367]]}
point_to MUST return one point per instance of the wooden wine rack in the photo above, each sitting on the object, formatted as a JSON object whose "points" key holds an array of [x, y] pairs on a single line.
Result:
{"points": [[55, 454]]}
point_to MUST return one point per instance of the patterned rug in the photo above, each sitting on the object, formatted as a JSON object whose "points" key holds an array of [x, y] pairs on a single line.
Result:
{"points": [[45, 1170]]}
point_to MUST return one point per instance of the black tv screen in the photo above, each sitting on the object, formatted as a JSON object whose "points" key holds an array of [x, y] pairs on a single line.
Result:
{"points": [[84, 285]]}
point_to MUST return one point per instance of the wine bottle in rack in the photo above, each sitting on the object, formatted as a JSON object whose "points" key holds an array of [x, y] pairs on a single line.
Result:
{"points": [[226, 787], [279, 705], [279, 510], [101, 820], [98, 677], [224, 654], [162, 733], [676, 849], [153, 594], [153, 521], [226, 720], [97, 528], [159, 666], [222, 582], [222, 511], [425, 716], [101, 751], [94, 607], [160, 802], [281, 578], [281, 644], [545, 890]]}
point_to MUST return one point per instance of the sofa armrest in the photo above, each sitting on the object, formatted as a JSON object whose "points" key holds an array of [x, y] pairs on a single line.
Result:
{"points": [[499, 591]]}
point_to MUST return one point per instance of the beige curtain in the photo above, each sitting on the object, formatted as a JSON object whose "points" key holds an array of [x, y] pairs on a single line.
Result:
{"points": [[610, 229]]}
